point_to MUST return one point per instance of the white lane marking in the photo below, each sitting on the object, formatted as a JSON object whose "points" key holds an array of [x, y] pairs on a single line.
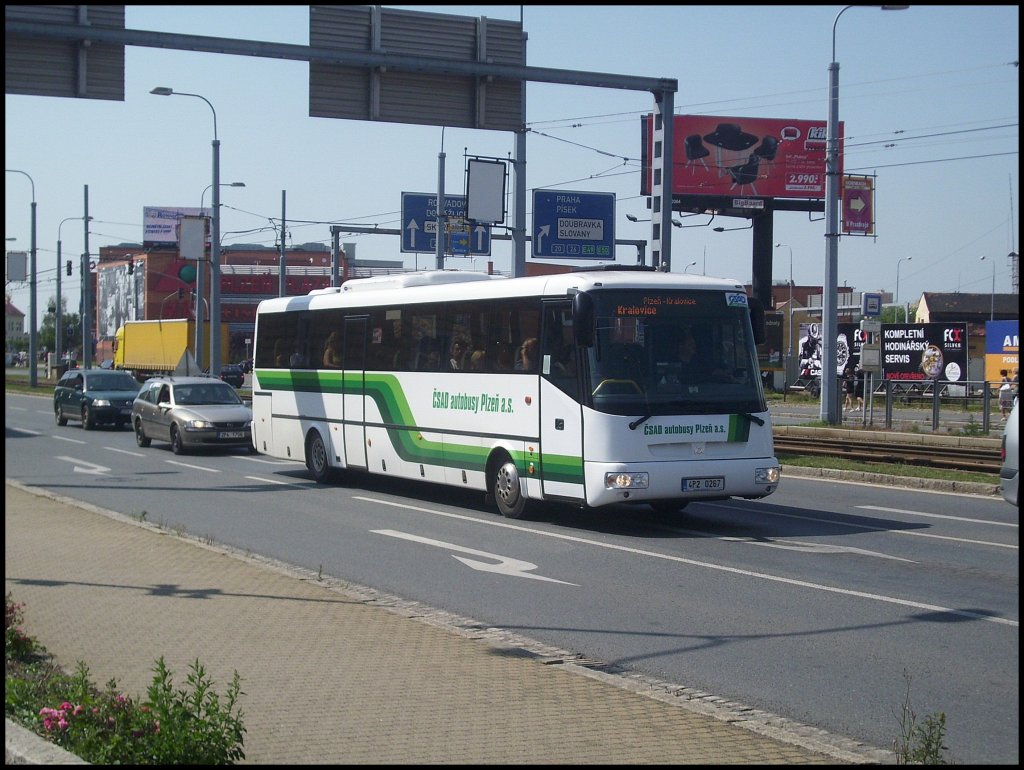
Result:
{"points": [[506, 565], [890, 530], [938, 516], [194, 467], [25, 431], [92, 468], [125, 451], [273, 481], [816, 548], [65, 438], [709, 565], [252, 459]]}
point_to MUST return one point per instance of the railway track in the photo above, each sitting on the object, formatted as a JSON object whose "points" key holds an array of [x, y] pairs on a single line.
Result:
{"points": [[948, 458]]}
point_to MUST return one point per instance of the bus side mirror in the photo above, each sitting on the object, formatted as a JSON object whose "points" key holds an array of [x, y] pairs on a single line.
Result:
{"points": [[757, 320], [583, 319]]}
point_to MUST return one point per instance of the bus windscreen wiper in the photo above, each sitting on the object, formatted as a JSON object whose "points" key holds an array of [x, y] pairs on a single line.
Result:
{"points": [[639, 421]]}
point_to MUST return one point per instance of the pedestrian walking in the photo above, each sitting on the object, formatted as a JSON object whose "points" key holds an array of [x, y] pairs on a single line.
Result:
{"points": [[849, 386], [1005, 394]]}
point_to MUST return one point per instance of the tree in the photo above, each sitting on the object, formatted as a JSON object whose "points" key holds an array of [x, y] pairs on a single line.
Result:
{"points": [[893, 314], [72, 327]]}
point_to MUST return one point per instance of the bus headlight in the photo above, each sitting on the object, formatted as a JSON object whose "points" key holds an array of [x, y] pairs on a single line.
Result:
{"points": [[624, 480], [766, 475]]}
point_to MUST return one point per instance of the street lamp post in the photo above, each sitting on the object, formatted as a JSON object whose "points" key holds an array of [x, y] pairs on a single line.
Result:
{"points": [[58, 321], [789, 335], [33, 363], [992, 301], [692, 264], [215, 235], [896, 299], [214, 240], [829, 305]]}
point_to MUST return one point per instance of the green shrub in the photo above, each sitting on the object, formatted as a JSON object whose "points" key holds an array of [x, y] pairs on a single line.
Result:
{"points": [[919, 744], [173, 726]]}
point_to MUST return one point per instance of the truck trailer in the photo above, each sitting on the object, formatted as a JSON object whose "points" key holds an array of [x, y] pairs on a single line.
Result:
{"points": [[151, 348]]}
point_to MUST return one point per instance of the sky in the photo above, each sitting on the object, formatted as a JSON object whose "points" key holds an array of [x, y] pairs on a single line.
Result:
{"points": [[929, 99]]}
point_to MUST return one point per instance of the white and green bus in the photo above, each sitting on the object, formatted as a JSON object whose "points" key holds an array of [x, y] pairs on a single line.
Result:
{"points": [[568, 387]]}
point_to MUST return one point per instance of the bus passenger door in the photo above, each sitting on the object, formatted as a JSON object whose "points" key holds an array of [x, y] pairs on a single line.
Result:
{"points": [[561, 417], [354, 404]]}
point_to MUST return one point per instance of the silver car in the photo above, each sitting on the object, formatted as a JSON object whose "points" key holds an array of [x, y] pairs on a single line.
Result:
{"points": [[190, 413], [1011, 455]]}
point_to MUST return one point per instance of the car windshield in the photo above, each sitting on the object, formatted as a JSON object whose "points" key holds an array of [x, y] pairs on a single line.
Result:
{"points": [[207, 393], [111, 382]]}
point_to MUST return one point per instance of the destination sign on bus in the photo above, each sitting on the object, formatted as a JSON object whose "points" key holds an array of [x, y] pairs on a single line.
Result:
{"points": [[653, 304]]}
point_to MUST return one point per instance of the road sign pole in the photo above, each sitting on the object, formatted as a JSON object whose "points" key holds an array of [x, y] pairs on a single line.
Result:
{"points": [[439, 261]]}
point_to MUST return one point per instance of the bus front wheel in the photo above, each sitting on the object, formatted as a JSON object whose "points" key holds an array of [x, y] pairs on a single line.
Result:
{"points": [[316, 458], [508, 494]]}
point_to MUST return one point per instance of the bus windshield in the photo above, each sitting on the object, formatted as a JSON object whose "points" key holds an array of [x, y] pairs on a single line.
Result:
{"points": [[673, 352]]}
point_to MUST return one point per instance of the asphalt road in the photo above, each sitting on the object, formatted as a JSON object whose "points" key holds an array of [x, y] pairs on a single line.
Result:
{"points": [[810, 604]]}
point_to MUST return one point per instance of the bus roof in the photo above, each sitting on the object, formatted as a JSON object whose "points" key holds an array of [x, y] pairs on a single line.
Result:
{"points": [[440, 285]]}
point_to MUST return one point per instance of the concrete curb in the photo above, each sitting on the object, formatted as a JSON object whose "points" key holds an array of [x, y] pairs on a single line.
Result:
{"points": [[24, 747]]}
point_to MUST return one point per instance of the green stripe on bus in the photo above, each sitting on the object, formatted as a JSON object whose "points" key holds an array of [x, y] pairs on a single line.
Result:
{"points": [[739, 428], [407, 440]]}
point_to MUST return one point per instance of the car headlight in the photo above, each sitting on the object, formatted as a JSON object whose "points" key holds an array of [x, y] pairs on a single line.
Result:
{"points": [[766, 475], [198, 425], [623, 480], [101, 402]]}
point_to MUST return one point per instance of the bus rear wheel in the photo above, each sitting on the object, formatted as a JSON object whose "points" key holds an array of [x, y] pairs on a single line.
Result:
{"points": [[316, 458], [508, 494]]}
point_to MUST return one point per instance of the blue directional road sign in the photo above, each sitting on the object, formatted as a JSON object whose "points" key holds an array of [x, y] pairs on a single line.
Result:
{"points": [[573, 225], [419, 225]]}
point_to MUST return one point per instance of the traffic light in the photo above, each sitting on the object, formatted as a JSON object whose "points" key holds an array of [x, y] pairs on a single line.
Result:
{"points": [[131, 266], [181, 293], [69, 267], [187, 272]]}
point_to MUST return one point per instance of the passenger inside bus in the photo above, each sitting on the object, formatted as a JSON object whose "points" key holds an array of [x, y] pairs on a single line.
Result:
{"points": [[690, 366], [478, 360], [526, 359], [503, 356], [457, 355], [332, 352]]}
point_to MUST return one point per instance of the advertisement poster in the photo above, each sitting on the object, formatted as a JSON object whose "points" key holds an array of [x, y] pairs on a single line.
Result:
{"points": [[848, 343], [160, 223], [1001, 348], [932, 351], [766, 157], [769, 353]]}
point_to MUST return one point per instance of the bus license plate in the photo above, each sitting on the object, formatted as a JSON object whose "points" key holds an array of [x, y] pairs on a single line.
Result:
{"points": [[709, 483], [231, 434]]}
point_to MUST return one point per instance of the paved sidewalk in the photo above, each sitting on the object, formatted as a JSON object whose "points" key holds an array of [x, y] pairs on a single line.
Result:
{"points": [[334, 673]]}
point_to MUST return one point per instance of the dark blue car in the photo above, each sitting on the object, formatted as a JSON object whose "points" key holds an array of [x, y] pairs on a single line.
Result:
{"points": [[232, 375], [94, 397]]}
